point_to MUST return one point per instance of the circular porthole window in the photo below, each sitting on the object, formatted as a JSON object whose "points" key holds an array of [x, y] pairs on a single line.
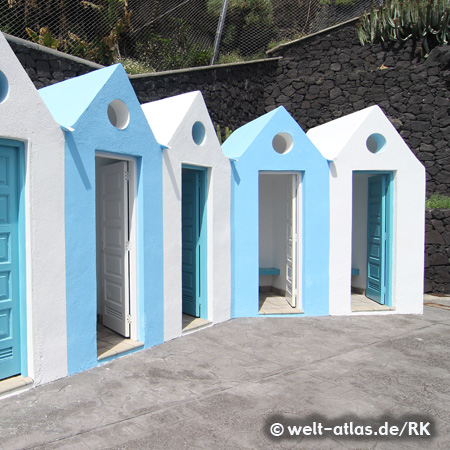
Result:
{"points": [[118, 114], [282, 143], [198, 133], [4, 87], [375, 142]]}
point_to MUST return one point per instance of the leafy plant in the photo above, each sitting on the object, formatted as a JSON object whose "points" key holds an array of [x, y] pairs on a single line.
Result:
{"points": [[44, 37], [438, 201], [398, 21], [133, 66]]}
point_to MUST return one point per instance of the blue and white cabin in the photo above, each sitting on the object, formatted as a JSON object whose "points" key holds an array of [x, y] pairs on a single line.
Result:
{"points": [[279, 219], [196, 197], [113, 217], [377, 207], [33, 335]]}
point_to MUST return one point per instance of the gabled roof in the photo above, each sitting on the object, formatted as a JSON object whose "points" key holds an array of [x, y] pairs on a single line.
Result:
{"points": [[165, 116], [22, 108], [332, 137], [69, 99], [241, 139]]}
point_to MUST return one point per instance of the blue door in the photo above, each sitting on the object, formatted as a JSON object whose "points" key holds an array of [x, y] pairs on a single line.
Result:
{"points": [[10, 356], [193, 222], [377, 244]]}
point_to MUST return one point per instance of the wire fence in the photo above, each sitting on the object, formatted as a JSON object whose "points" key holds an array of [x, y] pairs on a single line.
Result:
{"points": [[155, 35]]}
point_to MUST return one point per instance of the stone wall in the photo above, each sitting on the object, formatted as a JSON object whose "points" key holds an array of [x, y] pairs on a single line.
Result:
{"points": [[437, 251], [317, 79], [46, 66], [328, 75], [233, 93]]}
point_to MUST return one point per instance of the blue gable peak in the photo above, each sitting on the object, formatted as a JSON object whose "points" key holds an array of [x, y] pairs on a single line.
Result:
{"points": [[243, 138], [68, 99]]}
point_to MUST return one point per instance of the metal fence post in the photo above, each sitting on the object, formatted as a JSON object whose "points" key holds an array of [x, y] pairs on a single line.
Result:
{"points": [[220, 25]]}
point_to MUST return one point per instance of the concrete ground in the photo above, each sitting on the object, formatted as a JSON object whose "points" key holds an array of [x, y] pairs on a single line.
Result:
{"points": [[225, 386]]}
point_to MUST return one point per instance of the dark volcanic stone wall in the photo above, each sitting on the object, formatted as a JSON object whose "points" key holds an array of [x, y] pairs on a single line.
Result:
{"points": [[234, 94], [46, 66], [437, 251], [330, 74]]}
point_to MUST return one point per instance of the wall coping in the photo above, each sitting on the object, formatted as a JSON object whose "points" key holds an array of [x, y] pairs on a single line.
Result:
{"points": [[309, 36], [201, 68], [51, 51], [93, 65]]}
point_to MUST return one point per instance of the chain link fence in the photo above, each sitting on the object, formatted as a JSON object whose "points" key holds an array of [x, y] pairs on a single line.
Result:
{"points": [[152, 35]]}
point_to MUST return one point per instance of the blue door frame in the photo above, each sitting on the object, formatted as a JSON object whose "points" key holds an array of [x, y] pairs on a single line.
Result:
{"points": [[194, 231], [379, 238], [13, 358]]}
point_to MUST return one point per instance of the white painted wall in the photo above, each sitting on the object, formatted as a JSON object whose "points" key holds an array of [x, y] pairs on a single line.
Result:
{"points": [[347, 145], [171, 121], [273, 190], [25, 118]]}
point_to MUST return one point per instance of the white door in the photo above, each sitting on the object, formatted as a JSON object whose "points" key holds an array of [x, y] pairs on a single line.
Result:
{"points": [[115, 293], [292, 241]]}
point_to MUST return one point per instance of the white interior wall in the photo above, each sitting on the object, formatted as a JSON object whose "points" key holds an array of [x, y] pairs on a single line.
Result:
{"points": [[99, 162], [359, 228], [273, 189]]}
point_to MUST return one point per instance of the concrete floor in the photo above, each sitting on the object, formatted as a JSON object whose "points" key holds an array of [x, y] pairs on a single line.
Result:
{"points": [[360, 303], [273, 303], [224, 386]]}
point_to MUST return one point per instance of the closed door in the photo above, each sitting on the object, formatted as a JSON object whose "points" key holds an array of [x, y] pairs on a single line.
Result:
{"points": [[115, 291], [377, 238], [10, 345], [193, 243]]}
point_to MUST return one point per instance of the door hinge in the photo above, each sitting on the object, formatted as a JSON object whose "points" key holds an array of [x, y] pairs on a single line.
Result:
{"points": [[127, 246], [129, 319], [127, 175]]}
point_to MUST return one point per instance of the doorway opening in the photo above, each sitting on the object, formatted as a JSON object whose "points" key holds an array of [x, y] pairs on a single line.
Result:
{"points": [[372, 236], [115, 193], [194, 247], [280, 239]]}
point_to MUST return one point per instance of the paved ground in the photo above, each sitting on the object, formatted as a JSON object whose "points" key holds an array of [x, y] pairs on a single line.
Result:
{"points": [[222, 388]]}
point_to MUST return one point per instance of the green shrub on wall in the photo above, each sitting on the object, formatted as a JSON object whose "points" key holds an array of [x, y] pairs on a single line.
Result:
{"points": [[426, 21], [438, 201]]}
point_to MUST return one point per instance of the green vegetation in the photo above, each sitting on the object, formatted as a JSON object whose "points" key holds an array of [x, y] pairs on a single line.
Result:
{"points": [[438, 201], [252, 21], [219, 134], [426, 21], [133, 66]]}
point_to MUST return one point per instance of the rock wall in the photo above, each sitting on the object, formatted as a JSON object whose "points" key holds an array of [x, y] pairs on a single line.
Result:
{"points": [[317, 79], [233, 93], [328, 75], [437, 251], [46, 66]]}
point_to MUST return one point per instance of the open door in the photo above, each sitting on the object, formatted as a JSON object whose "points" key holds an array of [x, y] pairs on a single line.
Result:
{"points": [[193, 223], [291, 241], [114, 235], [377, 238]]}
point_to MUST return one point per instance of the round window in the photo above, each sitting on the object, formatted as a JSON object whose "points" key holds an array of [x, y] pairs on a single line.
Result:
{"points": [[118, 114], [4, 87], [375, 142], [282, 143], [198, 133]]}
